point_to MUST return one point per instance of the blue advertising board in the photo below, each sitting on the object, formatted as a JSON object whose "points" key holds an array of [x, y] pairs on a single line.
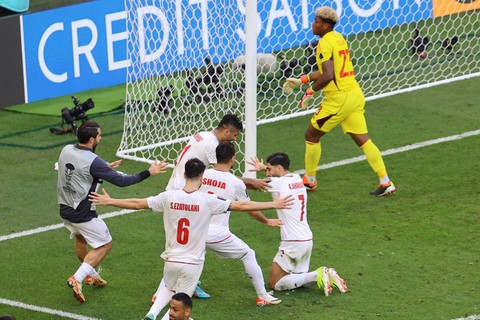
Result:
{"points": [[84, 46], [74, 48], [286, 23]]}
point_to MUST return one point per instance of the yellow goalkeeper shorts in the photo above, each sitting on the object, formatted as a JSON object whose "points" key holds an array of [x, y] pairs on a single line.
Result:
{"points": [[344, 107]]}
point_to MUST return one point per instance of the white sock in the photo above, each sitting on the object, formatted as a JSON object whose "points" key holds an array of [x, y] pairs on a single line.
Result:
{"points": [[311, 278], [82, 272], [94, 273], [254, 272], [292, 281], [163, 298], [311, 179], [161, 285]]}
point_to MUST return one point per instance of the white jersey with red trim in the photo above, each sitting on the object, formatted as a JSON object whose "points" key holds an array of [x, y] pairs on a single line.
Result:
{"points": [[186, 217], [225, 185], [295, 225], [202, 146]]}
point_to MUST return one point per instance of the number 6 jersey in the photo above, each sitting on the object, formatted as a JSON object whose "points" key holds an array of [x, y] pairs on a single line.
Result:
{"points": [[186, 217]]}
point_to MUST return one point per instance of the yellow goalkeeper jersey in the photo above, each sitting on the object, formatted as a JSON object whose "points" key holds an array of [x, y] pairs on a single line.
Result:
{"points": [[334, 46]]}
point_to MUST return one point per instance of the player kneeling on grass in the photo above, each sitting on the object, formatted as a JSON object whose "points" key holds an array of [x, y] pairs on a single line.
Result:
{"points": [[290, 266], [186, 217]]}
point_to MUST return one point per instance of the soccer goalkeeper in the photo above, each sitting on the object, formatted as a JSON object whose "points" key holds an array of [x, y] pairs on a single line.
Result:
{"points": [[343, 102]]}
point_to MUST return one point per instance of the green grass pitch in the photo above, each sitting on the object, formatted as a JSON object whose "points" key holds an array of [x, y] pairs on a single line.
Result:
{"points": [[413, 255]]}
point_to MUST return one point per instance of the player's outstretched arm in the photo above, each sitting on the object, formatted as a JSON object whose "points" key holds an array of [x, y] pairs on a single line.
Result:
{"points": [[115, 164], [258, 215], [158, 167], [256, 184], [105, 200], [277, 203], [257, 165]]}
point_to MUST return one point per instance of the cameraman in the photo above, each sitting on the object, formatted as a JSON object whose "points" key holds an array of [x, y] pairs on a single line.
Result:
{"points": [[80, 171]]}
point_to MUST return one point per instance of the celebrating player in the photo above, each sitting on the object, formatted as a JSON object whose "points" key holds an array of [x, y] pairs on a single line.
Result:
{"points": [[219, 181], [289, 268], [187, 214], [343, 102], [80, 171], [202, 146]]}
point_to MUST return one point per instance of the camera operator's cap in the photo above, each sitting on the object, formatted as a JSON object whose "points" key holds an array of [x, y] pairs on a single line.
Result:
{"points": [[327, 13]]}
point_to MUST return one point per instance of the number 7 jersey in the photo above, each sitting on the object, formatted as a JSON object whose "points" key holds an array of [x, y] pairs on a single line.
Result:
{"points": [[295, 225]]}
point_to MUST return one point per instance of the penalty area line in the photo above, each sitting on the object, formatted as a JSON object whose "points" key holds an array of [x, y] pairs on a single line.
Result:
{"points": [[397, 150], [45, 310], [59, 226]]}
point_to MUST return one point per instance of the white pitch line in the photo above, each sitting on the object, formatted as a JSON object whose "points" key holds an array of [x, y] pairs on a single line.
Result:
{"points": [[45, 310], [59, 226], [397, 150], [473, 317]]}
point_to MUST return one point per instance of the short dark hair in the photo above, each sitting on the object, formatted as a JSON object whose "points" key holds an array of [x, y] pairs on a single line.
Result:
{"points": [[184, 298], [88, 129], [194, 168], [231, 120], [224, 152], [279, 158]]}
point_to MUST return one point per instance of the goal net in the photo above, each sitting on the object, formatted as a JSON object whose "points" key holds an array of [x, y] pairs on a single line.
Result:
{"points": [[188, 57]]}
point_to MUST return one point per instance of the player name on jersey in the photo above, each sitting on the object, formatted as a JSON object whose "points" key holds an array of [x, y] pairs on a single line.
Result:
{"points": [[184, 206], [296, 185], [214, 183]]}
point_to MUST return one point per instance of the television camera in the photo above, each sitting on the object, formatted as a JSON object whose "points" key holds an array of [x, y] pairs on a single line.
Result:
{"points": [[70, 115]]}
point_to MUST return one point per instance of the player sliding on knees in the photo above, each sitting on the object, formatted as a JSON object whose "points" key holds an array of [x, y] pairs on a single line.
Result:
{"points": [[343, 102], [289, 269]]}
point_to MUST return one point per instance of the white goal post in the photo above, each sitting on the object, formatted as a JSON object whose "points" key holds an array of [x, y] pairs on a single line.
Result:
{"points": [[193, 61]]}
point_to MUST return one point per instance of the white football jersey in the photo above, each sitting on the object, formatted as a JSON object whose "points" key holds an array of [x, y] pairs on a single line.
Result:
{"points": [[225, 185], [202, 146], [186, 217], [295, 225]]}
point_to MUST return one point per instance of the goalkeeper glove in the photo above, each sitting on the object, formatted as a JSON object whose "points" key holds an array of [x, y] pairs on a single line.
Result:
{"points": [[306, 97], [293, 83]]}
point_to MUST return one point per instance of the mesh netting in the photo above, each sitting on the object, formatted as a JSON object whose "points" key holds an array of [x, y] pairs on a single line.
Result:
{"points": [[188, 60]]}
